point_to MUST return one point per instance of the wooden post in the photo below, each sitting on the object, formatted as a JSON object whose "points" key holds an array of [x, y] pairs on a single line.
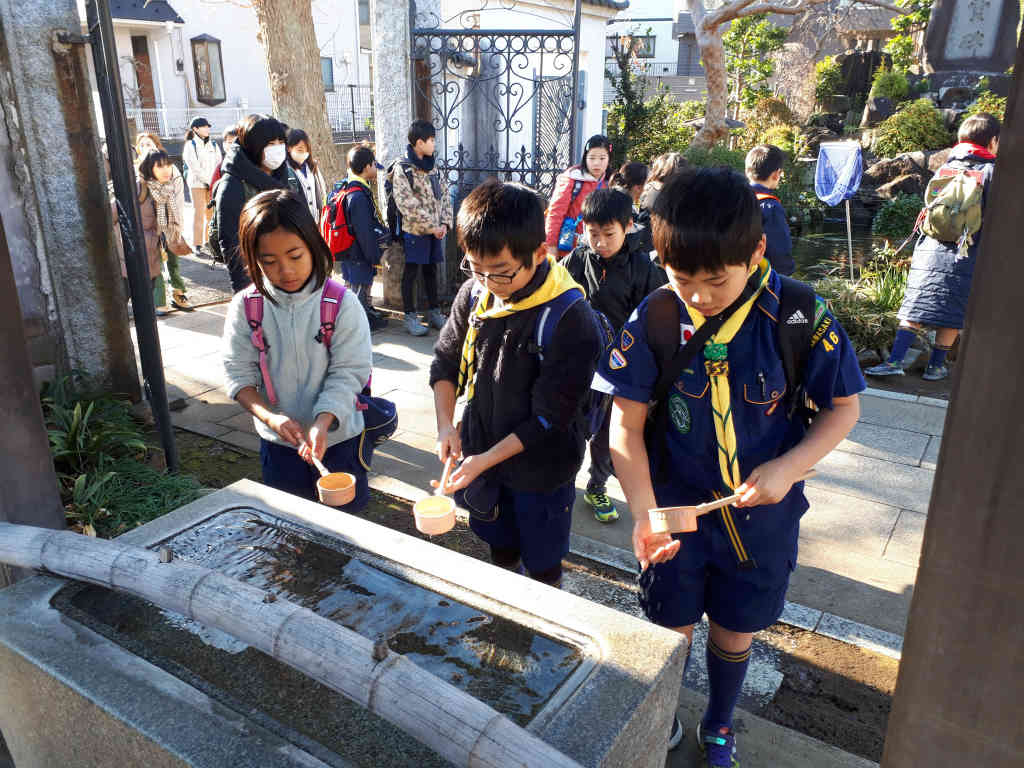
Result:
{"points": [[960, 681], [29, 484]]}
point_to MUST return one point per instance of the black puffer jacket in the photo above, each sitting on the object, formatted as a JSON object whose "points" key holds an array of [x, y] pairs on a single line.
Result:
{"points": [[240, 180], [618, 285], [515, 392]]}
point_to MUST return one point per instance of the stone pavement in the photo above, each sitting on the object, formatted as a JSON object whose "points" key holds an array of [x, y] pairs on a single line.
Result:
{"points": [[859, 542]]}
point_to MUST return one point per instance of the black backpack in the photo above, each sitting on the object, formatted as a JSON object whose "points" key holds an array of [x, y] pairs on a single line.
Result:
{"points": [[794, 330], [394, 215]]}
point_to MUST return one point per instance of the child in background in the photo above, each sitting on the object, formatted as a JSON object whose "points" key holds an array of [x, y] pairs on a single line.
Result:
{"points": [[562, 223], [631, 178], [316, 388], [425, 210], [230, 137], [165, 192], [521, 436], [616, 276], [359, 262], [303, 172], [764, 170], [723, 426]]}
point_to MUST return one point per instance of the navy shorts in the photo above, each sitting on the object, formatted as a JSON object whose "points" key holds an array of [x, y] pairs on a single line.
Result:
{"points": [[422, 249], [705, 577], [535, 524], [285, 470]]}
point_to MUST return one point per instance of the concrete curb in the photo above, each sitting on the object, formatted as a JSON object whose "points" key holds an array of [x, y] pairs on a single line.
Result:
{"points": [[922, 399]]}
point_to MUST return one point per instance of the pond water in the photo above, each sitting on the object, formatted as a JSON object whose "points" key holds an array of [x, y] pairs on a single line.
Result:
{"points": [[512, 668], [825, 244]]}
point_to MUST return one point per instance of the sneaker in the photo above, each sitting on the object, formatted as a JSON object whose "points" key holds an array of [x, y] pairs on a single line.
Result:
{"points": [[719, 749], [935, 373], [377, 321], [885, 369], [413, 324], [676, 734], [180, 300], [604, 510], [435, 319], [163, 311]]}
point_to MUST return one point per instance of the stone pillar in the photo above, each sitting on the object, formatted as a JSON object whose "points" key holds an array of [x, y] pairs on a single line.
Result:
{"points": [[958, 694], [53, 198]]}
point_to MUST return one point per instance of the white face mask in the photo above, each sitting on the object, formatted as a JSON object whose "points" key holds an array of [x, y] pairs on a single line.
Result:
{"points": [[300, 157], [273, 156]]}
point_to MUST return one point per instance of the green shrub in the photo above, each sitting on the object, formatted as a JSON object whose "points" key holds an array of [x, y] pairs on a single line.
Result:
{"points": [[656, 127], [717, 156], [785, 137], [895, 219], [988, 102], [917, 126], [891, 84], [828, 78]]}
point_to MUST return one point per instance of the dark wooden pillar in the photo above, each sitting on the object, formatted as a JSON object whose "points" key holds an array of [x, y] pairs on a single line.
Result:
{"points": [[958, 697], [28, 484]]}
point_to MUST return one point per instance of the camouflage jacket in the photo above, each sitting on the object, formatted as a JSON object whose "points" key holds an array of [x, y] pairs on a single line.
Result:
{"points": [[425, 205]]}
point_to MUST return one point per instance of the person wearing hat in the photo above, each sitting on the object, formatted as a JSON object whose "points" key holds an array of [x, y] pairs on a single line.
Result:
{"points": [[359, 262], [201, 157]]}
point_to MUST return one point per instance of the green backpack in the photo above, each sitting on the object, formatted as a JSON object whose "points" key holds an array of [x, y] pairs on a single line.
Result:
{"points": [[952, 210], [213, 242]]}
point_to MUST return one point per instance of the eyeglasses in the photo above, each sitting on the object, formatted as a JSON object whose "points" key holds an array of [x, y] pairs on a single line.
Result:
{"points": [[498, 279]]}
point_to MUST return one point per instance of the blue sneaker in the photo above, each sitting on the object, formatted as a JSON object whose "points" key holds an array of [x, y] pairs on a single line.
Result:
{"points": [[935, 373], [676, 734], [885, 369], [719, 749], [604, 509]]}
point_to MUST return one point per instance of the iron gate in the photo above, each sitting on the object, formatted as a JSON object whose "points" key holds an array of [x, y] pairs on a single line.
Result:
{"points": [[501, 99]]}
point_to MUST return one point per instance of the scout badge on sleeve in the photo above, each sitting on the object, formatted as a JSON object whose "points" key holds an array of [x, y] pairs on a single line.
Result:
{"points": [[684, 519]]}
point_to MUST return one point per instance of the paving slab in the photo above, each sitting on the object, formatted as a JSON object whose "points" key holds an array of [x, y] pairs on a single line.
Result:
{"points": [[240, 421], [904, 545], [849, 522], [914, 417], [415, 410], [248, 441], [180, 384], [886, 443], [876, 480], [198, 412], [846, 631], [931, 454], [206, 369], [408, 457]]}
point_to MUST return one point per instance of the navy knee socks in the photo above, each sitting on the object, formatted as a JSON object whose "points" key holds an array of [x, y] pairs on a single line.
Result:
{"points": [[725, 680], [938, 355], [900, 345]]}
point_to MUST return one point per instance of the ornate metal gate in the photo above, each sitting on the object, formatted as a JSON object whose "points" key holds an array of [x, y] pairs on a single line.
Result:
{"points": [[501, 99]]}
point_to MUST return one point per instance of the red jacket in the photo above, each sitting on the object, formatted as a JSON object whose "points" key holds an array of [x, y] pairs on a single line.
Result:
{"points": [[560, 206], [216, 176]]}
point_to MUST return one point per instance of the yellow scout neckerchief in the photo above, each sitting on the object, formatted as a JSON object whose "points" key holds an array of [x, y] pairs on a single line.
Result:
{"points": [[555, 284], [716, 362]]}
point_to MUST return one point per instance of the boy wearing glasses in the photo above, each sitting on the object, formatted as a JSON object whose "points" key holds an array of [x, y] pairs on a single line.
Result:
{"points": [[521, 438], [764, 171]]}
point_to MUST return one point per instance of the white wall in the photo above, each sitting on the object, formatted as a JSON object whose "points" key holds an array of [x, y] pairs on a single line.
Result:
{"points": [[666, 47]]}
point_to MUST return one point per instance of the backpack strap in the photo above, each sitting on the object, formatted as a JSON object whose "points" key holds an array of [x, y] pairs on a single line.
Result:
{"points": [[253, 301], [330, 305], [550, 315], [795, 328], [577, 187]]}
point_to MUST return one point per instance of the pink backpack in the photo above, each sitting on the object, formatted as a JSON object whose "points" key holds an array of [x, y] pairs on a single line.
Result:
{"points": [[330, 305]]}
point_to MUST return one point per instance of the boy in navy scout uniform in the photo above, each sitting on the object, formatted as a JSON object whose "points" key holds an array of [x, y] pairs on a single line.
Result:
{"points": [[521, 436], [764, 170], [616, 273], [727, 430]]}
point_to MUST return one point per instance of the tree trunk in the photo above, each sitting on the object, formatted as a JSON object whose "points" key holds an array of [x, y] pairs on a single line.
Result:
{"points": [[296, 80], [712, 53]]}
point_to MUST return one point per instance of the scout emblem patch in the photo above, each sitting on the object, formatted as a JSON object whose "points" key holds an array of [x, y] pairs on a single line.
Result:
{"points": [[617, 360], [686, 332], [679, 412], [627, 340]]}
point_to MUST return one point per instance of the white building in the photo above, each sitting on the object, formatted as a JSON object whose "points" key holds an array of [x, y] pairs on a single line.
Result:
{"points": [[185, 58]]}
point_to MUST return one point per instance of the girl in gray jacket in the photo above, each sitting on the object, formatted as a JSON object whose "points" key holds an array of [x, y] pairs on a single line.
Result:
{"points": [[303, 400]]}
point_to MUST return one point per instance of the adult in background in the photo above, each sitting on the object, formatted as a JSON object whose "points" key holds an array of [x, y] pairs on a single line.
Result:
{"points": [[303, 173], [563, 223], [201, 157], [939, 281], [254, 164]]}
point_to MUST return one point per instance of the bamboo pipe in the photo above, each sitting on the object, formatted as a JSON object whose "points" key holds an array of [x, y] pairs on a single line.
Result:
{"points": [[451, 722]]}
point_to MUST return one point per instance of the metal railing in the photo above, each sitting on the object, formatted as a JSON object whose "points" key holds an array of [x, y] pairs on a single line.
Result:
{"points": [[349, 112]]}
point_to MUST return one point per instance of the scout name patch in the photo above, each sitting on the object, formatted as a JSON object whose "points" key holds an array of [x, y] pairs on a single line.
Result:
{"points": [[617, 360], [627, 340], [679, 413]]}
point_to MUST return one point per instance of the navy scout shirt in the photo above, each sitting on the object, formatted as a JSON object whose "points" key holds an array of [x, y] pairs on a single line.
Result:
{"points": [[757, 384]]}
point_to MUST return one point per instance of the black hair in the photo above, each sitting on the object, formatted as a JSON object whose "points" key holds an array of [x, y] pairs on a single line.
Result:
{"points": [[603, 206], [298, 136], [498, 214], [421, 130], [630, 175], [705, 219], [764, 160], [280, 209], [359, 157], [597, 141], [255, 132], [664, 165], [152, 159], [979, 129]]}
